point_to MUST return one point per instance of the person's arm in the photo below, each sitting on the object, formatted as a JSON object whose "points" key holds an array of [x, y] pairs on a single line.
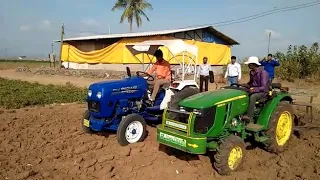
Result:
{"points": [[154, 67], [264, 82], [239, 72], [250, 81], [226, 74], [275, 63]]}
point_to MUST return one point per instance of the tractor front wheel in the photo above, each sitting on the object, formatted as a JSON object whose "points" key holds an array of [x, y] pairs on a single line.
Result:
{"points": [[132, 129], [85, 123], [230, 155], [280, 127]]}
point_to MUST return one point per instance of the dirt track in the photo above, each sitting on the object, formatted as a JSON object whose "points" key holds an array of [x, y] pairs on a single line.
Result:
{"points": [[47, 143]]}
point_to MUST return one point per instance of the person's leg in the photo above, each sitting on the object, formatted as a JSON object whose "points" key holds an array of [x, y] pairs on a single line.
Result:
{"points": [[229, 81], [201, 83], [156, 87], [206, 83], [252, 102], [232, 80]]}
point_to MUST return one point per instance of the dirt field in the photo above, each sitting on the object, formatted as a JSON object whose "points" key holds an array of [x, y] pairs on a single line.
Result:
{"points": [[48, 143]]}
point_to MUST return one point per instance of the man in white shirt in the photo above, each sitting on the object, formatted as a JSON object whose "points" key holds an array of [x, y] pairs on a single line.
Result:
{"points": [[203, 72], [233, 73]]}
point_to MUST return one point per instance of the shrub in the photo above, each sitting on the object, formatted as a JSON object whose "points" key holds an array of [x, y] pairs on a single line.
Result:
{"points": [[18, 94]]}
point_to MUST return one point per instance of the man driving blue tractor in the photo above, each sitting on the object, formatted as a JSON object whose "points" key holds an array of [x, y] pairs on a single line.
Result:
{"points": [[163, 74]]}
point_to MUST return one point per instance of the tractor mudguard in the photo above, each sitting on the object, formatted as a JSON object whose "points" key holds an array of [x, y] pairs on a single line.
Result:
{"points": [[270, 106]]}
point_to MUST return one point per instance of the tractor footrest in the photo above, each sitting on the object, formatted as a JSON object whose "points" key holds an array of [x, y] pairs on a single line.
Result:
{"points": [[254, 127]]}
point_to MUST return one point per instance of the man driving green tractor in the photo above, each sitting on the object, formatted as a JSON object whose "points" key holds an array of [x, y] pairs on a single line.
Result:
{"points": [[258, 85], [219, 122]]}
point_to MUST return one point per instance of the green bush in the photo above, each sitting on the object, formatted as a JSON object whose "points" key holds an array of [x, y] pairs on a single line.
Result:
{"points": [[18, 94], [299, 62]]}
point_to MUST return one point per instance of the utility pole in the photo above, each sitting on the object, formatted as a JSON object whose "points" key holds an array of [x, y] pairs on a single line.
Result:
{"points": [[269, 43], [52, 45], [61, 44]]}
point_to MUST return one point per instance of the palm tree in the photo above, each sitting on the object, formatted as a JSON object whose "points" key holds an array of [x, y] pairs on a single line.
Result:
{"points": [[133, 10]]}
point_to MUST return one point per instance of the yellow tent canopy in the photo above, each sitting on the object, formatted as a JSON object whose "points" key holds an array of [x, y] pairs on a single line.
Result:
{"points": [[119, 53]]}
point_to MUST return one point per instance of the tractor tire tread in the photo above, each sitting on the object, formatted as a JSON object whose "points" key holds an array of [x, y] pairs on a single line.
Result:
{"points": [[272, 126], [184, 93], [85, 129], [222, 155]]}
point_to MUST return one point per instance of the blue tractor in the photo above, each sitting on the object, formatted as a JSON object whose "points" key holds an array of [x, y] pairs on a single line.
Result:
{"points": [[121, 105]]}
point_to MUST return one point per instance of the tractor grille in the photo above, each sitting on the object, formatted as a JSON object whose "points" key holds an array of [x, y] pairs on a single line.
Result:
{"points": [[205, 121], [94, 106], [180, 117]]}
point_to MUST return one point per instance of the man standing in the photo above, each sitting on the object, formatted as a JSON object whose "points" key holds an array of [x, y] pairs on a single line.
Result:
{"points": [[257, 86], [163, 73], [269, 66], [203, 72], [233, 72]]}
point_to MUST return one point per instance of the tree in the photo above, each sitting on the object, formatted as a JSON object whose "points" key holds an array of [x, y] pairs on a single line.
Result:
{"points": [[133, 10]]}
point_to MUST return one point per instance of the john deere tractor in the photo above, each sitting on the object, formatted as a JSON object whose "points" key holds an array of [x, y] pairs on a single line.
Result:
{"points": [[211, 123]]}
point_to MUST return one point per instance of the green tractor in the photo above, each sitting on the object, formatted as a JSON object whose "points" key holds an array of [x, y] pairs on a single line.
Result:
{"points": [[211, 123]]}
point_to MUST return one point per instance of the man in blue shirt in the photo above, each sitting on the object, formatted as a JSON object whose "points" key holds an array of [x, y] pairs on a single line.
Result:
{"points": [[269, 66]]}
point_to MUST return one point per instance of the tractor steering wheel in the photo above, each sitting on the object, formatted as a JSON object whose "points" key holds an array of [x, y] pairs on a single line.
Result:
{"points": [[144, 74]]}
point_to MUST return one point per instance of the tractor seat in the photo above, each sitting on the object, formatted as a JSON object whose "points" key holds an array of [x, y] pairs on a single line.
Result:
{"points": [[269, 96]]}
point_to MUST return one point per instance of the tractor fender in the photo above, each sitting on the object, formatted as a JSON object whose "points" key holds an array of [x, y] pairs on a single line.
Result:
{"points": [[270, 106]]}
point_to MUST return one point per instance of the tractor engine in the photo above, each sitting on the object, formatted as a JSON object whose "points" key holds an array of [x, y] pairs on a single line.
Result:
{"points": [[211, 110], [109, 98]]}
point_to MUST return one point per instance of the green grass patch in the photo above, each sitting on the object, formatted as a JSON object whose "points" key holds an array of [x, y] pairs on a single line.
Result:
{"points": [[16, 94], [12, 64]]}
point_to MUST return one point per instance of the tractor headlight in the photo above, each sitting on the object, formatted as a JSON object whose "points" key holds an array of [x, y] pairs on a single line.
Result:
{"points": [[182, 109], [99, 95], [197, 112], [89, 93]]}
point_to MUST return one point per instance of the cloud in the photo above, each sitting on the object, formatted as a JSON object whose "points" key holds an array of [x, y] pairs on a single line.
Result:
{"points": [[45, 24], [90, 22], [274, 35], [24, 28]]}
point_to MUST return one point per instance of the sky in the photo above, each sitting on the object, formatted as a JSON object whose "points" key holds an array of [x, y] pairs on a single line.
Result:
{"points": [[29, 27]]}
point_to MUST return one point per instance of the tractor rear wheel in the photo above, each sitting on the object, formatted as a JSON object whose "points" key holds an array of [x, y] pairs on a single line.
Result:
{"points": [[179, 95], [230, 155], [132, 129], [280, 128], [85, 123]]}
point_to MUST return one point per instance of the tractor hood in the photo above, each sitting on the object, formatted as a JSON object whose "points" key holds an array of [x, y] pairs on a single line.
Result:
{"points": [[106, 88], [210, 98]]}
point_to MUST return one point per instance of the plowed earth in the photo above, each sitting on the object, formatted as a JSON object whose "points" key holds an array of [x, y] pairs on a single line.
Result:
{"points": [[48, 143]]}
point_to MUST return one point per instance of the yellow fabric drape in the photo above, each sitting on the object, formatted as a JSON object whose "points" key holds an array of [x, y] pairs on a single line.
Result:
{"points": [[118, 53]]}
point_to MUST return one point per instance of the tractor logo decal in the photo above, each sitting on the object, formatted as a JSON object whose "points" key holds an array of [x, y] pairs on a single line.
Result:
{"points": [[125, 89], [173, 139]]}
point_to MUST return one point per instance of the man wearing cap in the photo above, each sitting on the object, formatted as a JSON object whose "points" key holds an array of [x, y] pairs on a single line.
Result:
{"points": [[258, 85], [163, 73], [233, 72]]}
